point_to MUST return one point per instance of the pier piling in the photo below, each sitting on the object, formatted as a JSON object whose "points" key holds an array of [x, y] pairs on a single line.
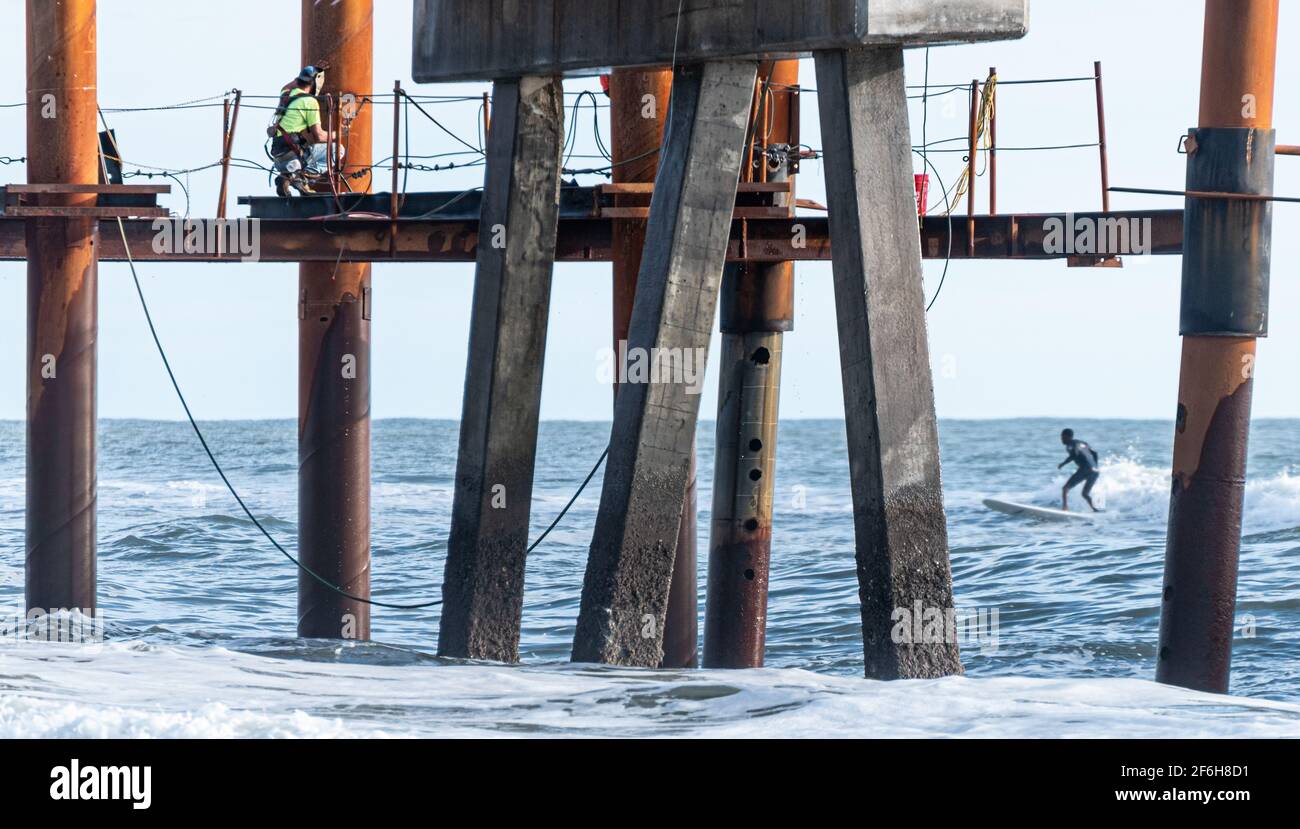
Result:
{"points": [[899, 522], [630, 566], [334, 314], [484, 585], [639, 101], [1224, 309], [757, 307], [62, 308]]}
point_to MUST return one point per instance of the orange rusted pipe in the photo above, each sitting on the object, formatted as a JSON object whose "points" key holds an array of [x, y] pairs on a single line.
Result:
{"points": [[1101, 139], [1217, 371], [62, 316], [993, 150], [756, 307], [973, 149], [1238, 60], [231, 123], [334, 353]]}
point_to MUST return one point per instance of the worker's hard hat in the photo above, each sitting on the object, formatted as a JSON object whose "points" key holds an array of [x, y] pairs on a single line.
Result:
{"points": [[308, 74]]}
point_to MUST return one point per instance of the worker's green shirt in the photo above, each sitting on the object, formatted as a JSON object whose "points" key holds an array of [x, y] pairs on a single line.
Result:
{"points": [[302, 113]]}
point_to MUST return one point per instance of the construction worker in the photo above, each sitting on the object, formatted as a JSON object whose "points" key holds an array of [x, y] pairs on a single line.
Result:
{"points": [[299, 145]]}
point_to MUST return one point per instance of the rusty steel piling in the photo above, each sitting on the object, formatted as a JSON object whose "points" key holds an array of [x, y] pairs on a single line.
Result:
{"points": [[1224, 309], [757, 307], [334, 355], [62, 315]]}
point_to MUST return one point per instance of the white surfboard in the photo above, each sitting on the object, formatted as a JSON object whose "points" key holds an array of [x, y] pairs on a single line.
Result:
{"points": [[1031, 511]]}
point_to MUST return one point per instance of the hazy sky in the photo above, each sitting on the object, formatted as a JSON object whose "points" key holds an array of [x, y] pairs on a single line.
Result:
{"points": [[1006, 338]]}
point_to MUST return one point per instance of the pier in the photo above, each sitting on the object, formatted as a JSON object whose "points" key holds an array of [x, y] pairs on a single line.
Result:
{"points": [[701, 220]]}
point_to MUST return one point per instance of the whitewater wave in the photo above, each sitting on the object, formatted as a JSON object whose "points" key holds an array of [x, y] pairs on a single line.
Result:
{"points": [[1130, 488], [139, 690]]}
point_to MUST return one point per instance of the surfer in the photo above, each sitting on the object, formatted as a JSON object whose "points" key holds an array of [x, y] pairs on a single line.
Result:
{"points": [[1085, 459]]}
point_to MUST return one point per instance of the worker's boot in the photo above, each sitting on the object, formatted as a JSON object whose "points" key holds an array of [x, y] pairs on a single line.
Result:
{"points": [[282, 187]]}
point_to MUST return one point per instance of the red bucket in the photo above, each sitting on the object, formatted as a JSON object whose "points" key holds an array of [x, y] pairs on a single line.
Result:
{"points": [[922, 181]]}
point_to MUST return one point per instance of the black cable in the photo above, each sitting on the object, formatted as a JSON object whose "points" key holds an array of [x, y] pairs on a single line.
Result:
{"points": [[948, 257], [439, 123], [216, 465], [583, 486], [1024, 149]]}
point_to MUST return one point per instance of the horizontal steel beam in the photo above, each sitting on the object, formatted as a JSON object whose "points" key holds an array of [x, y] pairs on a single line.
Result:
{"points": [[800, 239]]}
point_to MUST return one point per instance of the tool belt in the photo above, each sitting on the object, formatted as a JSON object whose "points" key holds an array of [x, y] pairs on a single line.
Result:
{"points": [[284, 146]]}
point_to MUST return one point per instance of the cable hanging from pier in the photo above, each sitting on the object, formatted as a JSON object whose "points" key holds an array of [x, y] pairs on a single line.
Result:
{"points": [[230, 487]]}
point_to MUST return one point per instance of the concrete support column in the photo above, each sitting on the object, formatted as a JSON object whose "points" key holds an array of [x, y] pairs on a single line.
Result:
{"points": [[639, 100], [334, 303], [62, 308], [483, 589], [899, 525], [633, 550], [757, 306]]}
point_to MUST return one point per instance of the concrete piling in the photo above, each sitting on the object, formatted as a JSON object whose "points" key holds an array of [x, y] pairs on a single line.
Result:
{"points": [[639, 101], [1226, 247], [633, 549], [484, 585], [62, 308], [334, 354], [899, 523]]}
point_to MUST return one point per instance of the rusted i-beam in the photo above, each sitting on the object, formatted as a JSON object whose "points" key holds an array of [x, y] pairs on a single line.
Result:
{"points": [[1224, 309], [639, 100], [1014, 236], [756, 307], [334, 356], [62, 317]]}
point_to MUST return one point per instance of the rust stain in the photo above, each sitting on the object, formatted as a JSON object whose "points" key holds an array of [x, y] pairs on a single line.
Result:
{"points": [[1213, 370]]}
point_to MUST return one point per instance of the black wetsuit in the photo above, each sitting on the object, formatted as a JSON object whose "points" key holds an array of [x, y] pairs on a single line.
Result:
{"points": [[1085, 458]]}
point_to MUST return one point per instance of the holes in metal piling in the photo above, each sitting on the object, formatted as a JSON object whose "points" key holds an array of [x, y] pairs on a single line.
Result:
{"points": [[751, 524], [749, 574], [755, 445], [755, 474], [761, 356]]}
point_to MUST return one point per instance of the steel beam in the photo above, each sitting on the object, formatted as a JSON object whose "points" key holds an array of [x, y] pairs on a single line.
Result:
{"points": [[1224, 310], [900, 529], [804, 239], [62, 303], [630, 566], [483, 589], [334, 301]]}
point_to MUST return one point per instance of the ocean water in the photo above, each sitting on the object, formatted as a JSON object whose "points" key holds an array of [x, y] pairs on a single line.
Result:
{"points": [[200, 609]]}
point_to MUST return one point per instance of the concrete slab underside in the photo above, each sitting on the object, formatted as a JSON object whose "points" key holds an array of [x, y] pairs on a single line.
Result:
{"points": [[486, 39]]}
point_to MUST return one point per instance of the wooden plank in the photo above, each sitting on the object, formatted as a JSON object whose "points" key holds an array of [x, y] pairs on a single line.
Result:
{"points": [[738, 213], [647, 187], [630, 566], [899, 524], [85, 212], [484, 584], [109, 189]]}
